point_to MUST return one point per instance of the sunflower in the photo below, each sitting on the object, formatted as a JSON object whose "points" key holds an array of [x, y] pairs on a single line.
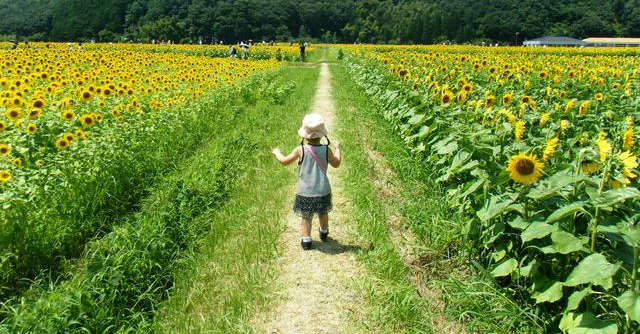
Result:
{"points": [[13, 114], [5, 149], [69, 136], [467, 87], [629, 162], [569, 105], [34, 113], [3, 125], [38, 103], [519, 130], [604, 147], [564, 125], [5, 176], [62, 143], [446, 97], [507, 98], [524, 99], [39, 162], [584, 107], [489, 100], [68, 115], [628, 139], [87, 121], [544, 119], [79, 133], [599, 97], [589, 166], [462, 96], [550, 148], [31, 128], [524, 168], [86, 95], [17, 162]]}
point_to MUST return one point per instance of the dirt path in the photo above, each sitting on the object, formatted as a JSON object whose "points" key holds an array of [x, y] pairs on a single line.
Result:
{"points": [[317, 291]]}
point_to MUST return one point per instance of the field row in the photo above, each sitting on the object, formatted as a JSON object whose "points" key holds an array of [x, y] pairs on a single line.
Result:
{"points": [[539, 150]]}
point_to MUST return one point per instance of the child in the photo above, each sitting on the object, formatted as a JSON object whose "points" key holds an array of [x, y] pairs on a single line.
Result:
{"points": [[313, 196]]}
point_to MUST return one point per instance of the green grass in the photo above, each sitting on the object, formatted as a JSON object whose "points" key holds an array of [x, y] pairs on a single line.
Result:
{"points": [[227, 280], [395, 305], [117, 285]]}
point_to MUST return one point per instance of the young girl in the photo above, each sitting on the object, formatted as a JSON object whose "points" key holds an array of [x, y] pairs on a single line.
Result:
{"points": [[313, 196]]}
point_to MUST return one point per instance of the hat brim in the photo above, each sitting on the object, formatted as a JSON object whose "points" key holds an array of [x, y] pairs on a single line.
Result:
{"points": [[302, 132]]}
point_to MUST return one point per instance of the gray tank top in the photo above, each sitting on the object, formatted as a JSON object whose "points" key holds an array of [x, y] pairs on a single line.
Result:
{"points": [[312, 180]]}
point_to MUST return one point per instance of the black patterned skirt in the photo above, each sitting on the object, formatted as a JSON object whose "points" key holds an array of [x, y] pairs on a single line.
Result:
{"points": [[307, 207]]}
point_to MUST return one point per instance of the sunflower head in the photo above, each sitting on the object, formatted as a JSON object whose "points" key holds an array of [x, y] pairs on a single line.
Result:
{"points": [[5, 176], [524, 168], [604, 147], [87, 121], [5, 149], [628, 139], [62, 143], [599, 97], [31, 128], [446, 97]]}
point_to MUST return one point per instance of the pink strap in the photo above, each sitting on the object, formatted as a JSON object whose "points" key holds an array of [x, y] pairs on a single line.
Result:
{"points": [[316, 158]]}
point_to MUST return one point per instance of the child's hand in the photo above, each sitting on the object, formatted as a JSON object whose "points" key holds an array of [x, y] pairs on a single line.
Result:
{"points": [[336, 143], [276, 151]]}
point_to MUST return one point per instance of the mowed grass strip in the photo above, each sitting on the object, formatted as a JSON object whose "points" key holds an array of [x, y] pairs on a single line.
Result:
{"points": [[118, 283], [394, 303], [222, 285]]}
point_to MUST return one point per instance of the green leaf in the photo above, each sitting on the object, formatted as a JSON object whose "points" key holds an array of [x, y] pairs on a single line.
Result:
{"points": [[630, 234], [537, 230], [576, 298], [553, 186], [592, 269], [565, 211], [613, 196], [472, 188], [447, 149], [565, 242], [587, 323], [630, 303], [505, 268], [546, 290], [496, 205], [518, 223], [530, 269]]}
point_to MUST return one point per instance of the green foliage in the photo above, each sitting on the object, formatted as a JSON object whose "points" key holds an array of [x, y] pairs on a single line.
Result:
{"points": [[123, 275], [566, 246]]}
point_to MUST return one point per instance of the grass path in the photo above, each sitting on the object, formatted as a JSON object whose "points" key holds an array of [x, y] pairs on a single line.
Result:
{"points": [[317, 290], [251, 276]]}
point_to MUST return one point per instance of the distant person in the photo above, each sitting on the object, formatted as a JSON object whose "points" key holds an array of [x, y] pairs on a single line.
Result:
{"points": [[232, 52], [14, 45], [313, 194], [26, 44], [278, 55], [302, 49], [245, 50]]}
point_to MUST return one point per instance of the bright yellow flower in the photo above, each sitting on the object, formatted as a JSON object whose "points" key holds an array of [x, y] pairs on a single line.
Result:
{"points": [[604, 147], [629, 162], [31, 128], [584, 107], [589, 167], [629, 139], [17, 162], [544, 119], [599, 97], [550, 148], [519, 130], [13, 114], [524, 168], [5, 176], [62, 143], [569, 105], [5, 149]]}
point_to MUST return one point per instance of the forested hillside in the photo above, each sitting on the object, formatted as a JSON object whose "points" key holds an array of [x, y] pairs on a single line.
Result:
{"points": [[377, 21]]}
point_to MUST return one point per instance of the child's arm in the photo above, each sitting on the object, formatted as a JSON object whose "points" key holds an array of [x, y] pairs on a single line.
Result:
{"points": [[335, 158], [293, 156]]}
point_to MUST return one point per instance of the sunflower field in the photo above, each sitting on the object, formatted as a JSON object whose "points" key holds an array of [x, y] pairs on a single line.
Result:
{"points": [[538, 148], [83, 133]]}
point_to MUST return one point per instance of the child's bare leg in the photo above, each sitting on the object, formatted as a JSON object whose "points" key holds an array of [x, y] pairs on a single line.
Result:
{"points": [[324, 222], [305, 227]]}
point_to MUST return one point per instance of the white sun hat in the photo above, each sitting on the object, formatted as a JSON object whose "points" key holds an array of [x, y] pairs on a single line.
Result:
{"points": [[312, 127]]}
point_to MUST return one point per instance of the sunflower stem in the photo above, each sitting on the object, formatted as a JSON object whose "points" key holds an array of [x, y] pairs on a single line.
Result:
{"points": [[634, 273], [594, 224]]}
